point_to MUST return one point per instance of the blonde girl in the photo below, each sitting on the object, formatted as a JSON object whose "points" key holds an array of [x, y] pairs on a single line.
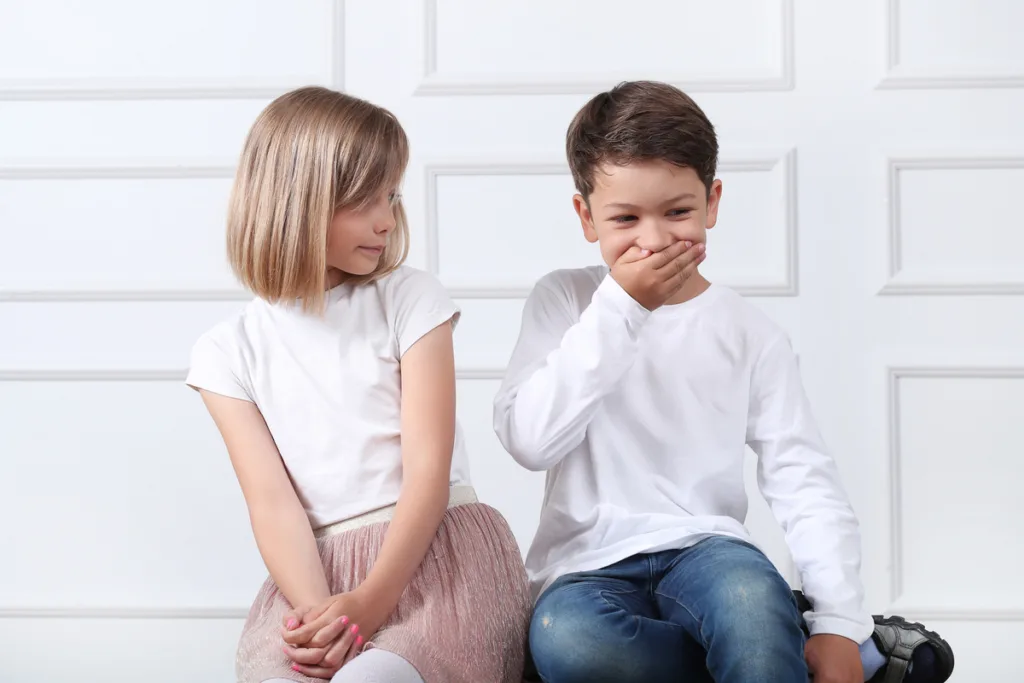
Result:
{"points": [[334, 392]]}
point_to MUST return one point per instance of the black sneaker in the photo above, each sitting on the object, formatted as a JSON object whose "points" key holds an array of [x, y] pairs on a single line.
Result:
{"points": [[897, 639]]}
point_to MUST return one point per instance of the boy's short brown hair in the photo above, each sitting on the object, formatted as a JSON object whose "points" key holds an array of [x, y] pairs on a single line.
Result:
{"points": [[640, 121]]}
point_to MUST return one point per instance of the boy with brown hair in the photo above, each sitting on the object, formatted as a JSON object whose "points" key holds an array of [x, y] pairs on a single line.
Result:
{"points": [[637, 386]]}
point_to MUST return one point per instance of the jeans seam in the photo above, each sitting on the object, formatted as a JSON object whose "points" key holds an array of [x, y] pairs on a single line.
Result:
{"points": [[699, 622]]}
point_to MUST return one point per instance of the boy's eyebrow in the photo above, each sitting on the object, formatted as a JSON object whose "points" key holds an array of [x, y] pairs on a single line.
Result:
{"points": [[673, 200]]}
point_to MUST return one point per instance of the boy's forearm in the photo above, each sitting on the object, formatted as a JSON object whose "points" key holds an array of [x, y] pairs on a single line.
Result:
{"points": [[801, 483], [824, 540], [288, 547], [543, 417]]}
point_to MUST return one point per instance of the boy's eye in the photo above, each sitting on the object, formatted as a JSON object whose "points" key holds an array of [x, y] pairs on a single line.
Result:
{"points": [[679, 212], [624, 219]]}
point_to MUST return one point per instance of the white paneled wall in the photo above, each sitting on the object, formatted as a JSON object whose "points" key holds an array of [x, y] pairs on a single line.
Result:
{"points": [[872, 157]]}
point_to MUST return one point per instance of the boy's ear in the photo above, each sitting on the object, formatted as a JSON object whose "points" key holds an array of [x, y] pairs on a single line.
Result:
{"points": [[714, 198], [586, 219]]}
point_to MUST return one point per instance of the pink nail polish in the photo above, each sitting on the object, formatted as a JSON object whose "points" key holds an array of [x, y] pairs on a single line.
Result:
{"points": [[359, 641], [355, 628], [295, 667], [343, 620], [292, 623]]}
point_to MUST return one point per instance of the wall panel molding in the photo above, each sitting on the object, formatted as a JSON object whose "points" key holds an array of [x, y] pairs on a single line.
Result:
{"points": [[436, 83], [900, 77], [895, 237], [788, 286], [897, 602], [169, 375], [33, 89], [98, 171]]}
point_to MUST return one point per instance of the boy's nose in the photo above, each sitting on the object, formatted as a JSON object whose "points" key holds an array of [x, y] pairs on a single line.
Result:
{"points": [[655, 240]]}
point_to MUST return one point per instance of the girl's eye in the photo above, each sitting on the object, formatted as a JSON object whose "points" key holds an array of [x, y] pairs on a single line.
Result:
{"points": [[394, 198]]}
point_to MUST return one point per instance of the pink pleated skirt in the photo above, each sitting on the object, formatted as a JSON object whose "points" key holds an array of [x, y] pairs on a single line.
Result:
{"points": [[464, 618]]}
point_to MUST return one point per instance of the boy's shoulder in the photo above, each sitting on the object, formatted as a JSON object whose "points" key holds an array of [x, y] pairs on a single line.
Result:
{"points": [[575, 286]]}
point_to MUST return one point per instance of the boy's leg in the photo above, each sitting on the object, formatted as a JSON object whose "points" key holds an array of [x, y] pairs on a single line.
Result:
{"points": [[602, 626], [730, 598]]}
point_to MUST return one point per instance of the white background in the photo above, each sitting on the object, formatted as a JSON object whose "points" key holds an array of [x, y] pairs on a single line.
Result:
{"points": [[873, 161]]}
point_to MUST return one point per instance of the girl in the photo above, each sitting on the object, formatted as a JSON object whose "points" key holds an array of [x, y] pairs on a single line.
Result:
{"points": [[334, 392]]}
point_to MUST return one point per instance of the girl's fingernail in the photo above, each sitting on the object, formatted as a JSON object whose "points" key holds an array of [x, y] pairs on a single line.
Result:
{"points": [[688, 244], [355, 628], [295, 667], [292, 623], [700, 248], [359, 641], [645, 252], [343, 621]]}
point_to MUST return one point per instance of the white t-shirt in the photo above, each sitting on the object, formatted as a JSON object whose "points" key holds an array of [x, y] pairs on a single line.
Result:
{"points": [[329, 388], [641, 421]]}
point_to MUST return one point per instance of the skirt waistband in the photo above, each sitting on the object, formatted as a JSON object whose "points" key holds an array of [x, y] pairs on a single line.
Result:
{"points": [[458, 495]]}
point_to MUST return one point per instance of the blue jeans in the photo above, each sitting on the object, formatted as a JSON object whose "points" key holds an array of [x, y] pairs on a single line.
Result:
{"points": [[718, 611]]}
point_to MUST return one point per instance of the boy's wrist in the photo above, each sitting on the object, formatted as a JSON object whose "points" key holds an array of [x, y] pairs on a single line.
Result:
{"points": [[618, 298]]}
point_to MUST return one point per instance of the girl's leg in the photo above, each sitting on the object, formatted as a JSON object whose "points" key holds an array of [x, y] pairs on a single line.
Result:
{"points": [[377, 666]]}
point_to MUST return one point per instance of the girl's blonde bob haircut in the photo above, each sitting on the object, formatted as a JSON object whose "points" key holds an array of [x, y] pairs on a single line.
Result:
{"points": [[311, 152]]}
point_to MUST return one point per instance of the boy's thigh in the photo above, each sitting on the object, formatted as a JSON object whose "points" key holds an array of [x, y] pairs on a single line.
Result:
{"points": [[725, 583], [598, 627]]}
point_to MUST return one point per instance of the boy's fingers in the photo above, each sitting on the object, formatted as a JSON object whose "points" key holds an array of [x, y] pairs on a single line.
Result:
{"points": [[669, 254], [688, 257], [687, 268], [634, 254]]}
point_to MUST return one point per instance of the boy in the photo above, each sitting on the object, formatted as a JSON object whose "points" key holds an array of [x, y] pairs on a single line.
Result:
{"points": [[637, 387]]}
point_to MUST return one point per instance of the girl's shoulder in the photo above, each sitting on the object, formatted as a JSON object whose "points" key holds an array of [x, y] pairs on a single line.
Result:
{"points": [[407, 288], [405, 280], [215, 361], [414, 302]]}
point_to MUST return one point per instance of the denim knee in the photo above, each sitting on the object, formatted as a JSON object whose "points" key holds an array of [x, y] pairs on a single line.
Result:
{"points": [[570, 643], [754, 623]]}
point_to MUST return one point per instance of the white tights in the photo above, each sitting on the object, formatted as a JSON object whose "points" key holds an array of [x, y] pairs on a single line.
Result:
{"points": [[373, 666]]}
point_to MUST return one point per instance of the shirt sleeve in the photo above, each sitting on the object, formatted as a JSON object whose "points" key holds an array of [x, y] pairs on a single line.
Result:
{"points": [[801, 484], [562, 368], [418, 303], [213, 368]]}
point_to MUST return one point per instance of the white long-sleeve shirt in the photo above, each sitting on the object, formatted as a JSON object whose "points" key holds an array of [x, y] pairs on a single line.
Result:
{"points": [[641, 420]]}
